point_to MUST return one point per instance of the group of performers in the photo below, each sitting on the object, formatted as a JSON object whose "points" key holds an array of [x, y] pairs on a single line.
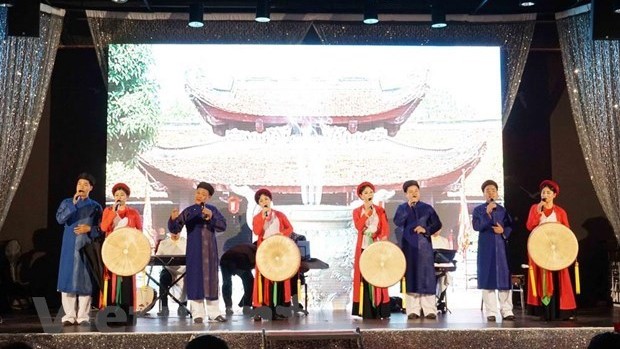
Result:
{"points": [[84, 220]]}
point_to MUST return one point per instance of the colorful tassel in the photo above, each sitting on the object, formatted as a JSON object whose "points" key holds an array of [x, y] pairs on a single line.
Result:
{"points": [[545, 297], [403, 291], [533, 282], [105, 293], [260, 288], [577, 279], [361, 308]]}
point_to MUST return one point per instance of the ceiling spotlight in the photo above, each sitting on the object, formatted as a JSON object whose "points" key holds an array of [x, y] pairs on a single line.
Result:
{"points": [[526, 3], [6, 3], [119, 1], [263, 8], [617, 6], [196, 12], [438, 16], [371, 15]]}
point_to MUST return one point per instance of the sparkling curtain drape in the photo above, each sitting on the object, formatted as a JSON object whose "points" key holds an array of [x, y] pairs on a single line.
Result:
{"points": [[134, 28], [25, 69], [592, 70]]}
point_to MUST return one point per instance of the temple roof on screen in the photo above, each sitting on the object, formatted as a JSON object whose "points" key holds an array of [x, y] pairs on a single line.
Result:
{"points": [[284, 163]]}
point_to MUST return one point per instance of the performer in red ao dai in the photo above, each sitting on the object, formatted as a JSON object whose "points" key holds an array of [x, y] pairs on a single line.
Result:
{"points": [[371, 225], [543, 212], [119, 290], [266, 223]]}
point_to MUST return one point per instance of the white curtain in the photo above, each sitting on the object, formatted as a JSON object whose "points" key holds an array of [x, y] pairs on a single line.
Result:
{"points": [[25, 68]]}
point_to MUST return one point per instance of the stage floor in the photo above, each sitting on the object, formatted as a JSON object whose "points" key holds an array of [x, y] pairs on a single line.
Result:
{"points": [[325, 320], [463, 328]]}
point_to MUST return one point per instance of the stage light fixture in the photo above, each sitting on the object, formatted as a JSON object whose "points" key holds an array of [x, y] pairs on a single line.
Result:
{"points": [[119, 1], [438, 15], [526, 3], [6, 3], [196, 12], [371, 16], [263, 9], [617, 6]]}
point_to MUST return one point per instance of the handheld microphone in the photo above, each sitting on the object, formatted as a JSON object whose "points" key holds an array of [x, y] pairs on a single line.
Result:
{"points": [[266, 212], [117, 204], [371, 206], [491, 201], [542, 208]]}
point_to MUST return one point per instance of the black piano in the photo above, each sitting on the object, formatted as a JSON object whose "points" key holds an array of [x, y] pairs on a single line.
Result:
{"points": [[168, 260]]}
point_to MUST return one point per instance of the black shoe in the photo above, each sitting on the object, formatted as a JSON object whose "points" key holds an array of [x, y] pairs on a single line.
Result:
{"points": [[229, 311], [413, 316], [491, 318], [256, 318], [220, 318], [182, 311], [67, 323], [509, 318], [431, 316], [197, 320], [279, 317]]}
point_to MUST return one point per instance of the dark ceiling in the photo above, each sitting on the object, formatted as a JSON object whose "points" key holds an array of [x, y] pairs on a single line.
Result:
{"points": [[473, 7], [76, 31]]}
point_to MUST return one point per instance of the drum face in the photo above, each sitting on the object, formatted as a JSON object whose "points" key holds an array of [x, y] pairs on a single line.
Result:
{"points": [[278, 258], [552, 246], [146, 298], [126, 251], [383, 264]]}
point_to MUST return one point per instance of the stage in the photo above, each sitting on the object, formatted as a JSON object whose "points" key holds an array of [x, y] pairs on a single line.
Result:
{"points": [[463, 328]]}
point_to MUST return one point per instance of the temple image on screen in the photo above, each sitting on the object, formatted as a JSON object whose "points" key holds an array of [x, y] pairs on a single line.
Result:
{"points": [[309, 123]]}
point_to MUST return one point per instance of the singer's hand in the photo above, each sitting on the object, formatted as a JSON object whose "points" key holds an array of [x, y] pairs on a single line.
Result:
{"points": [[174, 214], [76, 198], [81, 229], [541, 206], [419, 230], [491, 206], [498, 229], [265, 211], [207, 214], [116, 206]]}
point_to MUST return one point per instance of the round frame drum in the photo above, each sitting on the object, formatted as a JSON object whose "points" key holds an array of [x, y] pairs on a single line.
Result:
{"points": [[278, 258], [126, 251], [383, 264], [552, 246]]}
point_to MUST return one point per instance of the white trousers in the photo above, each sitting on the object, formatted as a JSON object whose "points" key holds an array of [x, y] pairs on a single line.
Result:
{"points": [[489, 299], [197, 307], [417, 303], [72, 303]]}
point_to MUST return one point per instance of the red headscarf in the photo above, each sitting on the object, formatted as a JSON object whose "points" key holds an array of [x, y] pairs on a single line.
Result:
{"points": [[121, 186], [260, 192], [363, 185], [550, 184]]}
